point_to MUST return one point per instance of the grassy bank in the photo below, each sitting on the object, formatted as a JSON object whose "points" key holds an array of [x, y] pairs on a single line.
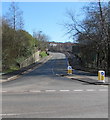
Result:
{"points": [[15, 67], [43, 54]]}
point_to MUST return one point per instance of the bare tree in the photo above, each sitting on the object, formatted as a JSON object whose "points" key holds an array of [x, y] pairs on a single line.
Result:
{"points": [[92, 33], [41, 39], [15, 16]]}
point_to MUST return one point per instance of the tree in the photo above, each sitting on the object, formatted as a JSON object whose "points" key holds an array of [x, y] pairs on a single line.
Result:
{"points": [[92, 34], [41, 39], [24, 46], [8, 52], [15, 17]]}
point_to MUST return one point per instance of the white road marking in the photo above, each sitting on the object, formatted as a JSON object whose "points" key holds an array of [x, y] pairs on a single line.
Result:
{"points": [[8, 114], [64, 90], [105, 86], [34, 91], [103, 90], [3, 91], [18, 114], [77, 90], [50, 90], [90, 90]]}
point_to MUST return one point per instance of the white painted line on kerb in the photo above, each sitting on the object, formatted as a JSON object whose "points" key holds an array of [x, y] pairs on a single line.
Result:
{"points": [[13, 77], [64, 90], [103, 90], [29, 70], [24, 72], [90, 90], [50, 90], [77, 90]]}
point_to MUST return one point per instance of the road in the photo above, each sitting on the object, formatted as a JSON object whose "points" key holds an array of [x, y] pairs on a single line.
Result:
{"points": [[44, 93]]}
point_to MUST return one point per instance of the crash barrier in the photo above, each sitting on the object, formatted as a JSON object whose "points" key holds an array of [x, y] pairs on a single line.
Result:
{"points": [[101, 76], [69, 70]]}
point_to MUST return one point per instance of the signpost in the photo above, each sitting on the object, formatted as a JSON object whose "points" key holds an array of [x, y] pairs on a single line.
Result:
{"points": [[69, 70], [101, 76]]}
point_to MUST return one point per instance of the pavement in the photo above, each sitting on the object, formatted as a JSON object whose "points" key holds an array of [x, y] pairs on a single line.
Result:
{"points": [[81, 75], [88, 77]]}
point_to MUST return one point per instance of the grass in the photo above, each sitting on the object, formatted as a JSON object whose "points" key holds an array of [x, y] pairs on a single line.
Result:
{"points": [[11, 69], [43, 54]]}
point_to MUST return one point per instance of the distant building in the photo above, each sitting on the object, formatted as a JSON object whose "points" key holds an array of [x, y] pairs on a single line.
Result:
{"points": [[61, 47], [52, 44]]}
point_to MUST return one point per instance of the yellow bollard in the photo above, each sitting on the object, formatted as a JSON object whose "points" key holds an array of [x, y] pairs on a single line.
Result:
{"points": [[101, 76], [69, 70]]}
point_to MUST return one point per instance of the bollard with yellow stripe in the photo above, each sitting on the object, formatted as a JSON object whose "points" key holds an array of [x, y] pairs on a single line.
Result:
{"points": [[101, 76], [69, 70]]}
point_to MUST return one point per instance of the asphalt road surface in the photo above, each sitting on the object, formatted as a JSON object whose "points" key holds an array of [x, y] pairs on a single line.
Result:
{"points": [[43, 93]]}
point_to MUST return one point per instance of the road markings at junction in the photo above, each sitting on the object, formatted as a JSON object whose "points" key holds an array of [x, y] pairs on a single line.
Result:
{"points": [[35, 91], [64, 90], [77, 90], [103, 90], [29, 113], [104, 86], [43, 91], [90, 90], [50, 90], [9, 114], [3, 91]]}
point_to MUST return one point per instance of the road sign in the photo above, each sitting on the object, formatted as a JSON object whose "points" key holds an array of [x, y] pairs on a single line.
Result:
{"points": [[69, 70], [101, 76]]}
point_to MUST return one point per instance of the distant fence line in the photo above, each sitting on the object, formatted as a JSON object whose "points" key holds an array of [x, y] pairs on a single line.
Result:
{"points": [[32, 59]]}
